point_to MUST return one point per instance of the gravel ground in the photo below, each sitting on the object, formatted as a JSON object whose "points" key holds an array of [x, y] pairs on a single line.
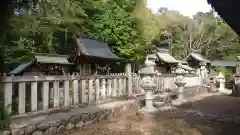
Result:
{"points": [[190, 119]]}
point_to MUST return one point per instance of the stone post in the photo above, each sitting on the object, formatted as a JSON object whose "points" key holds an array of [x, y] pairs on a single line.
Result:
{"points": [[128, 71], [203, 72], [103, 88], [148, 85], [180, 82]]}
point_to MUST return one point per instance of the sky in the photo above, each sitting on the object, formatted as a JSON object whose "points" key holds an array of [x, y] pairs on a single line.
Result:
{"points": [[185, 7]]}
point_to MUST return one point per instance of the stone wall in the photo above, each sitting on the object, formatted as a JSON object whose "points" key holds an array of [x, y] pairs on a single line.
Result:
{"points": [[65, 121]]}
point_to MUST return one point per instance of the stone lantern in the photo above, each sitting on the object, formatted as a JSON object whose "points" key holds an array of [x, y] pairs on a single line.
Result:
{"points": [[147, 74], [221, 80], [180, 82]]}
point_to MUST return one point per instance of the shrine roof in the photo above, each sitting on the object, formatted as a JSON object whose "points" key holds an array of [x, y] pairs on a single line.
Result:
{"points": [[52, 59], [42, 58], [199, 57], [95, 48], [20, 68], [166, 57]]}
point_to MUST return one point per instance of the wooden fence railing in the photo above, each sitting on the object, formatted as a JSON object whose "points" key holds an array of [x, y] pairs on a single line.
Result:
{"points": [[24, 94]]}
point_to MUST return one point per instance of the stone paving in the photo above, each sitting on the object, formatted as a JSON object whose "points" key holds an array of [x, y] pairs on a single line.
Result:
{"points": [[215, 115]]}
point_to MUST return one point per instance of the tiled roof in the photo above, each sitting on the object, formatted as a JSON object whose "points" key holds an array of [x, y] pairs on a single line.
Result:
{"points": [[95, 48], [21, 67], [166, 57], [42, 58], [199, 57], [52, 59]]}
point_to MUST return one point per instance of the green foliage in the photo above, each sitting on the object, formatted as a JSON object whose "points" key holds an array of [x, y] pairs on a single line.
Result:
{"points": [[128, 26], [5, 118], [204, 32]]}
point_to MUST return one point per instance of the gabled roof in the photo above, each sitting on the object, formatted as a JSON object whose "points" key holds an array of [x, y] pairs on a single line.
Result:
{"points": [[164, 56], [95, 48], [198, 57], [42, 58], [52, 59], [22, 67]]}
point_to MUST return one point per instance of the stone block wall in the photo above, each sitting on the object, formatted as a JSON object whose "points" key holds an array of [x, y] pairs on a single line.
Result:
{"points": [[71, 120]]}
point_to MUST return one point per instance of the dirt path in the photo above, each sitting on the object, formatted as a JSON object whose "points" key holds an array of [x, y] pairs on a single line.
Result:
{"points": [[191, 119]]}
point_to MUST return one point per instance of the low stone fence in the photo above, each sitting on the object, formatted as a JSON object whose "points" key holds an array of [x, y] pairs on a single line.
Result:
{"points": [[166, 82], [39, 94], [25, 95]]}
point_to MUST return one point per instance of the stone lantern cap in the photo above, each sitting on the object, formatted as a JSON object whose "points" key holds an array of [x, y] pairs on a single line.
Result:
{"points": [[149, 65], [220, 76], [179, 70]]}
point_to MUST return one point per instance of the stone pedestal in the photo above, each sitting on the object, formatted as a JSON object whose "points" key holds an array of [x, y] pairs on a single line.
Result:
{"points": [[180, 83]]}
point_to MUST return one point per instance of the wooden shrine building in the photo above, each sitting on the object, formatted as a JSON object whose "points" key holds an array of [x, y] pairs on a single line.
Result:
{"points": [[165, 62], [92, 56], [44, 64], [89, 56], [195, 60]]}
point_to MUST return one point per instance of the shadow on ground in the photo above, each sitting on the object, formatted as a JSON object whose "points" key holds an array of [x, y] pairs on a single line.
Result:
{"points": [[209, 116], [190, 119]]}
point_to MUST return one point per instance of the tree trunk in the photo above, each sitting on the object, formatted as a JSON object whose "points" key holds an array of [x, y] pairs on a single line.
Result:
{"points": [[5, 15]]}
